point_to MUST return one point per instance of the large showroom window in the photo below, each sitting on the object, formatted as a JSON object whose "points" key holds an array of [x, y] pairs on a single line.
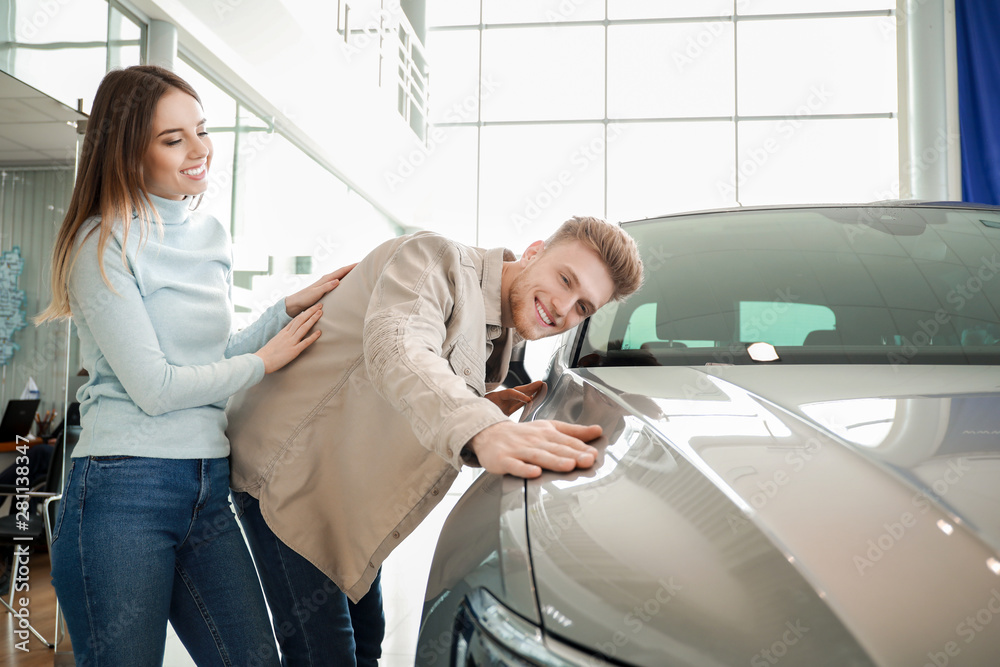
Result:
{"points": [[52, 57], [264, 188], [64, 48], [628, 109]]}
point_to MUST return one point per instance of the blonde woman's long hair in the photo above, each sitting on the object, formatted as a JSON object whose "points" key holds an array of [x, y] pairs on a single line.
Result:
{"points": [[109, 181]]}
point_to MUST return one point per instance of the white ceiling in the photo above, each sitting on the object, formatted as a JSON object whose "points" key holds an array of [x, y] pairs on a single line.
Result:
{"points": [[35, 129]]}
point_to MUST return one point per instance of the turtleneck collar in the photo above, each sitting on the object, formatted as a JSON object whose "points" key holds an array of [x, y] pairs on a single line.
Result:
{"points": [[172, 211]]}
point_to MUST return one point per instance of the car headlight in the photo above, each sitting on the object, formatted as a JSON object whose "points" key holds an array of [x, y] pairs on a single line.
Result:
{"points": [[488, 633]]}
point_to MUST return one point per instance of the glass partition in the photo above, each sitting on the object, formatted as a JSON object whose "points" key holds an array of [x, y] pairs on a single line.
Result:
{"points": [[38, 145], [53, 55]]}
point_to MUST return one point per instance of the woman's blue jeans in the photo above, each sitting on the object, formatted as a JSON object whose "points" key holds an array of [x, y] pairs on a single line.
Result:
{"points": [[316, 624], [140, 541]]}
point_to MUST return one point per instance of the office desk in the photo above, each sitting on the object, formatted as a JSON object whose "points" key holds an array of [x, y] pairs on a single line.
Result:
{"points": [[11, 446]]}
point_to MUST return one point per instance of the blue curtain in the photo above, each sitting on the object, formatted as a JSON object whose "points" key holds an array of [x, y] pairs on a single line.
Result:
{"points": [[977, 25]]}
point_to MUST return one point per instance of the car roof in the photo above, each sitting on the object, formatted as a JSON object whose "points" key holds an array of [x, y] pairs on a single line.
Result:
{"points": [[887, 203]]}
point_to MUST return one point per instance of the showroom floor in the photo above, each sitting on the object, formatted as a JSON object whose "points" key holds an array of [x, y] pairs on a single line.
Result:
{"points": [[404, 576]]}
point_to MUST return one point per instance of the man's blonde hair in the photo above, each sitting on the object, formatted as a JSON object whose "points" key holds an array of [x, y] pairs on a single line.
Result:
{"points": [[616, 249]]}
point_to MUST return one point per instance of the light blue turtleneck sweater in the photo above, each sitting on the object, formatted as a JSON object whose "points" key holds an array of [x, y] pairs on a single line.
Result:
{"points": [[159, 350]]}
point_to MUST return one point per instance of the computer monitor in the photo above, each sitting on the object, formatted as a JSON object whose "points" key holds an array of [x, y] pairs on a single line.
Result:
{"points": [[17, 418]]}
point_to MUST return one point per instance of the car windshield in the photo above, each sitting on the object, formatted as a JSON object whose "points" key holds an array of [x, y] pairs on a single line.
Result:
{"points": [[892, 285]]}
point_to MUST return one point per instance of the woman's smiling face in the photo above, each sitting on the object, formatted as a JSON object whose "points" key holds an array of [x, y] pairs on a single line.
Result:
{"points": [[179, 155]]}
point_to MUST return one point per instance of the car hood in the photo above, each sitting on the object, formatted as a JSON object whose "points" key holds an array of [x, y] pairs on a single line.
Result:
{"points": [[844, 515]]}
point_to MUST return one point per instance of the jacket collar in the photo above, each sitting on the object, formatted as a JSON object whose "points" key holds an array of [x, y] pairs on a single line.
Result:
{"points": [[491, 269]]}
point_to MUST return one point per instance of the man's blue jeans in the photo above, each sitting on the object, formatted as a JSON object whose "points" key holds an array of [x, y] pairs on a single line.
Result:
{"points": [[140, 541], [316, 624]]}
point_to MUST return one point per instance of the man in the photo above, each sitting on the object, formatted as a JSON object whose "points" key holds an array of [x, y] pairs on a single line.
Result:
{"points": [[338, 457]]}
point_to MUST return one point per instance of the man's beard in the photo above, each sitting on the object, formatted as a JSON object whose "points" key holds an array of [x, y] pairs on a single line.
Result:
{"points": [[522, 306]]}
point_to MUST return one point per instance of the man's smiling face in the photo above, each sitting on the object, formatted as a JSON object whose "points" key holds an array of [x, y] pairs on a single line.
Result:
{"points": [[558, 288]]}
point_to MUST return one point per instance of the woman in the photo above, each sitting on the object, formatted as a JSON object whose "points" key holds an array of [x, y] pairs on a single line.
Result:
{"points": [[145, 533]]}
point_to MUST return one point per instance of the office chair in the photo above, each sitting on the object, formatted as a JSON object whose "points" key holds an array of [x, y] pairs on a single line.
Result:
{"points": [[15, 531]]}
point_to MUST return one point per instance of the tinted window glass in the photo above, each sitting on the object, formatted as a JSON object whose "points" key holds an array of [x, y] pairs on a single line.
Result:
{"points": [[841, 285]]}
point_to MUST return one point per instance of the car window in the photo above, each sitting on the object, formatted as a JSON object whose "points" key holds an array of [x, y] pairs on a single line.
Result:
{"points": [[839, 285]]}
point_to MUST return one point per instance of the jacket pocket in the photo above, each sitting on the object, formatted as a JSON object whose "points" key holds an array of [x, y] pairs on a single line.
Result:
{"points": [[468, 365]]}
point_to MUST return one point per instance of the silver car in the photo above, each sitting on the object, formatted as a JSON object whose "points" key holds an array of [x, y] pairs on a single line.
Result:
{"points": [[800, 462]]}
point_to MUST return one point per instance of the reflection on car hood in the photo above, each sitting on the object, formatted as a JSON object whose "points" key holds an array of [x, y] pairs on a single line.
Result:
{"points": [[843, 515]]}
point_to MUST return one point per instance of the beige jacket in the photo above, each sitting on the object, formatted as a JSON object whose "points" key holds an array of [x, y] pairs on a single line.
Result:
{"points": [[350, 446]]}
